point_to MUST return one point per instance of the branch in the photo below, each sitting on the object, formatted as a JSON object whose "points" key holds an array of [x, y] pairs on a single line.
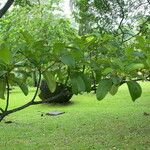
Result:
{"points": [[38, 85], [125, 81], [7, 100], [29, 103], [148, 19], [35, 103], [49, 67], [6, 7], [1, 110], [122, 18]]}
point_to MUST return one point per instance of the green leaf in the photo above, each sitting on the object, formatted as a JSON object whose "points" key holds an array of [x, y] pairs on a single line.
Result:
{"points": [[133, 67], [78, 84], [148, 60], [141, 41], [68, 60], [27, 37], [22, 86], [87, 82], [134, 89], [103, 88], [116, 80], [58, 47], [114, 89], [107, 71], [48, 76], [2, 88], [74, 86], [2, 73], [5, 54]]}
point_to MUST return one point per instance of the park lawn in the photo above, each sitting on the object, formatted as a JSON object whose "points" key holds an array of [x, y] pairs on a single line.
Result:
{"points": [[113, 123]]}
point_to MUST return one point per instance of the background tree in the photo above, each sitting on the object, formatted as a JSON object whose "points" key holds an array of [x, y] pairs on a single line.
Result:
{"points": [[105, 15]]}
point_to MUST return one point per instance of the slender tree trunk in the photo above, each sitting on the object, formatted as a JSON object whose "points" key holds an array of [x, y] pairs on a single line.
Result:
{"points": [[35, 79]]}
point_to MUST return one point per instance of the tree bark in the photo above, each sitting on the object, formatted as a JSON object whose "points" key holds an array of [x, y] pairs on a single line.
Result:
{"points": [[34, 79], [6, 7]]}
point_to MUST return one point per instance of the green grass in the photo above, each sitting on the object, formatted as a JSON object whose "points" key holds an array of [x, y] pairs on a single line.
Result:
{"points": [[113, 123]]}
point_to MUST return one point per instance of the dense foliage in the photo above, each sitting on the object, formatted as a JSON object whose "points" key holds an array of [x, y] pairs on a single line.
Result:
{"points": [[41, 41]]}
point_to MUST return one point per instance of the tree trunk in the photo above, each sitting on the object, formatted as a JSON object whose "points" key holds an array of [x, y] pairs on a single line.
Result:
{"points": [[34, 79]]}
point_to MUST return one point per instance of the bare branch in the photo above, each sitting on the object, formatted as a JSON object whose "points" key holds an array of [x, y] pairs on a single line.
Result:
{"points": [[7, 112], [148, 19], [32, 102], [6, 7], [38, 85], [1, 110]]}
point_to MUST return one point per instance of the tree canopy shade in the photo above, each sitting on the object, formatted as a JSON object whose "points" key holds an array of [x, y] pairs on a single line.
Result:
{"points": [[97, 56]]}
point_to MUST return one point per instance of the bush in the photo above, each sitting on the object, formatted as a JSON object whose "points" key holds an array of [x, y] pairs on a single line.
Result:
{"points": [[64, 93]]}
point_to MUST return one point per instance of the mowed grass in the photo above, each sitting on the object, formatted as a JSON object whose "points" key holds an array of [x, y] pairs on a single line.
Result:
{"points": [[113, 123]]}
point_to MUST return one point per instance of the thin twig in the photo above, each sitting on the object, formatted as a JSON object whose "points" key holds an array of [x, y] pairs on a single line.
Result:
{"points": [[37, 88], [122, 18], [48, 67], [1, 110], [148, 19], [35, 103], [7, 112]]}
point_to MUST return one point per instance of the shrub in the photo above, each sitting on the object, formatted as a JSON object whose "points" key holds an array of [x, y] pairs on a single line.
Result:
{"points": [[63, 92]]}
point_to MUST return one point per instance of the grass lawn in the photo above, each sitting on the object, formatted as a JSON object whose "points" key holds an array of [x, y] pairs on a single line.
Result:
{"points": [[113, 123]]}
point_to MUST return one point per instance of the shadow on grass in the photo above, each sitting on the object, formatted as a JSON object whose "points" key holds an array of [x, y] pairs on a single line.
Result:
{"points": [[14, 91], [70, 103]]}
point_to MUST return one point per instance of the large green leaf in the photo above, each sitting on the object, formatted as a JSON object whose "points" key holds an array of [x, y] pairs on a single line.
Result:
{"points": [[5, 54], [116, 80], [134, 66], [78, 84], [134, 89], [74, 86], [23, 86], [107, 71], [50, 80], [87, 82], [58, 47], [103, 88], [27, 37], [114, 89], [2, 88], [68, 60]]}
